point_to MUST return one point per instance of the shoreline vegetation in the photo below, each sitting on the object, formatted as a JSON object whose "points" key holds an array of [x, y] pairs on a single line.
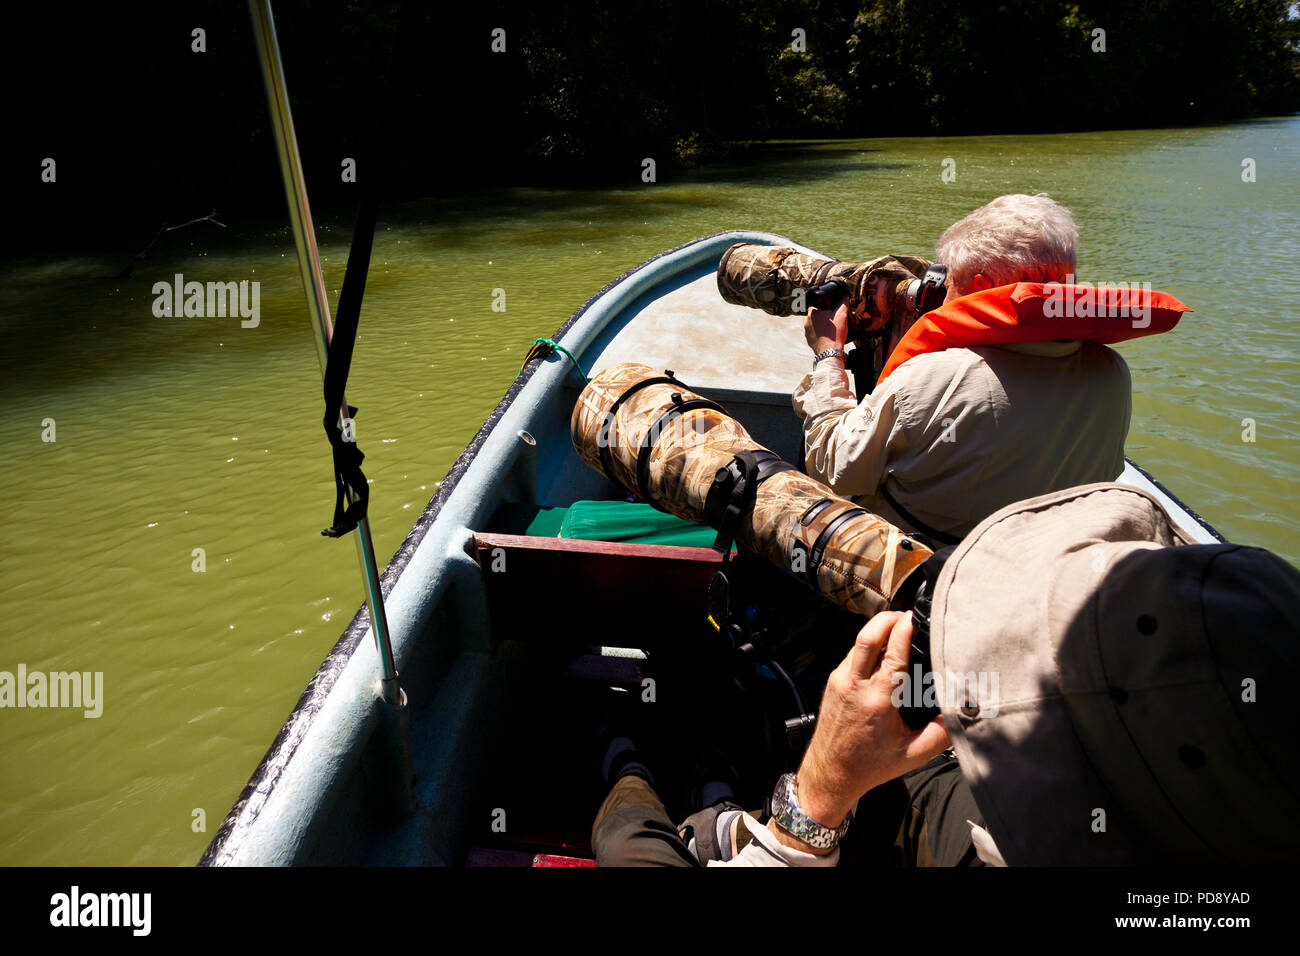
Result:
{"points": [[148, 122]]}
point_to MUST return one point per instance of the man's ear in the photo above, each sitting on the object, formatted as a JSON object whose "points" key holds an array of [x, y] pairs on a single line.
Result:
{"points": [[980, 282]]}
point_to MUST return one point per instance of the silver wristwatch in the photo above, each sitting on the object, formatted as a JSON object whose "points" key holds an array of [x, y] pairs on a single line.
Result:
{"points": [[791, 819], [827, 354]]}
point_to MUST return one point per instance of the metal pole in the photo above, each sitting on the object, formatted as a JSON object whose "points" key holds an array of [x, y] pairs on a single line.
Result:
{"points": [[313, 281]]}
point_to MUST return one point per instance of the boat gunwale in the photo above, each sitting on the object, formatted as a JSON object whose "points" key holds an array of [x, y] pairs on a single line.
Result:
{"points": [[1194, 515]]}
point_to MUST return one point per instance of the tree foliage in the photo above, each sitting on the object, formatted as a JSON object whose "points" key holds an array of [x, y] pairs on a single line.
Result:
{"points": [[149, 131]]}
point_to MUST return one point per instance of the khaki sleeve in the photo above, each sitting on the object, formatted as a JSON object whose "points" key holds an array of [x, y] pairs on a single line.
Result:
{"points": [[847, 445], [766, 850]]}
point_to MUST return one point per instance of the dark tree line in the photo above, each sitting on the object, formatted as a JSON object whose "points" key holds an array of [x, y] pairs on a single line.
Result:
{"points": [[147, 131]]}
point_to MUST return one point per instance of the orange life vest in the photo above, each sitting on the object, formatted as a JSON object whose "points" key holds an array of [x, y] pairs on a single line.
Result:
{"points": [[1038, 312]]}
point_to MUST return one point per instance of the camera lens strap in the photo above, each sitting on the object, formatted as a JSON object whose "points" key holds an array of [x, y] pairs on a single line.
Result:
{"points": [[818, 551], [604, 439], [735, 489], [679, 407]]}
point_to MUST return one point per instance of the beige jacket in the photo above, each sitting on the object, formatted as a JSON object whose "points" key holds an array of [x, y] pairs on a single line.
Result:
{"points": [[955, 435]]}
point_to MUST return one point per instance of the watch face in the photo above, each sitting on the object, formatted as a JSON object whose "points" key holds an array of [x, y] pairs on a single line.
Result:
{"points": [[781, 799]]}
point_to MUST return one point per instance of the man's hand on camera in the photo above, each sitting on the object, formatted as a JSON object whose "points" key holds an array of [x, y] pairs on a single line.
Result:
{"points": [[825, 329], [861, 740]]}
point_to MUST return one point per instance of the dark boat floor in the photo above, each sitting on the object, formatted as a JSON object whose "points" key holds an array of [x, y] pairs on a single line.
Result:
{"points": [[543, 789], [554, 606], [545, 774]]}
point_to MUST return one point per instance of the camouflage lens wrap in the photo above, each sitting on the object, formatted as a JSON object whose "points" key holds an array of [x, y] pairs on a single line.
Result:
{"points": [[771, 278], [863, 562], [681, 460], [775, 279], [896, 272]]}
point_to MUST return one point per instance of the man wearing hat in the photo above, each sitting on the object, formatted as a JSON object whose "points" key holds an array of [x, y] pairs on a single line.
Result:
{"points": [[1136, 706]]}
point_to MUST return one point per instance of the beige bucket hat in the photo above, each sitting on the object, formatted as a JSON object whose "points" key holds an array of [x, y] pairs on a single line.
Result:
{"points": [[1133, 695]]}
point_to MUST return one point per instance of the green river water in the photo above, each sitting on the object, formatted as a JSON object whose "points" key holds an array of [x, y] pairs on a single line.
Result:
{"points": [[175, 434]]}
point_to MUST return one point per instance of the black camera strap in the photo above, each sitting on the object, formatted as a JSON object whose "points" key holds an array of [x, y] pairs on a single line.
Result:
{"points": [[915, 522]]}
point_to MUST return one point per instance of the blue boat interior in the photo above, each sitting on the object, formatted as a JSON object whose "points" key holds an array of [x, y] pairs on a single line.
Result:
{"points": [[523, 634]]}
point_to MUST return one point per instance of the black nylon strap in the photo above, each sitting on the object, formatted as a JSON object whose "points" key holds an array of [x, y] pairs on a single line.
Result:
{"points": [[349, 310], [347, 473], [734, 491], [769, 464], [347, 456], [603, 438], [811, 514], [823, 542], [651, 439]]}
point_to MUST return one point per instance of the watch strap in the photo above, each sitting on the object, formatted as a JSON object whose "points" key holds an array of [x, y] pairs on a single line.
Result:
{"points": [[829, 353], [791, 818]]}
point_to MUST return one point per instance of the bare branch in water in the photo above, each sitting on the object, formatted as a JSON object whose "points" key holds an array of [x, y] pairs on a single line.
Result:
{"points": [[164, 228]]}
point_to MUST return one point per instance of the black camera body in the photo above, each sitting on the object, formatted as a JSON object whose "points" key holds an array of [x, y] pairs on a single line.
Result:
{"points": [[918, 296]]}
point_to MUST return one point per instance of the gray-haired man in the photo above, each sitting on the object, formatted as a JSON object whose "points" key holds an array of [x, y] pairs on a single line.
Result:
{"points": [[951, 436]]}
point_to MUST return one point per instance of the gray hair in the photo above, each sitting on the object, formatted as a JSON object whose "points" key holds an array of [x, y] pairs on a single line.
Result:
{"points": [[1016, 238]]}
